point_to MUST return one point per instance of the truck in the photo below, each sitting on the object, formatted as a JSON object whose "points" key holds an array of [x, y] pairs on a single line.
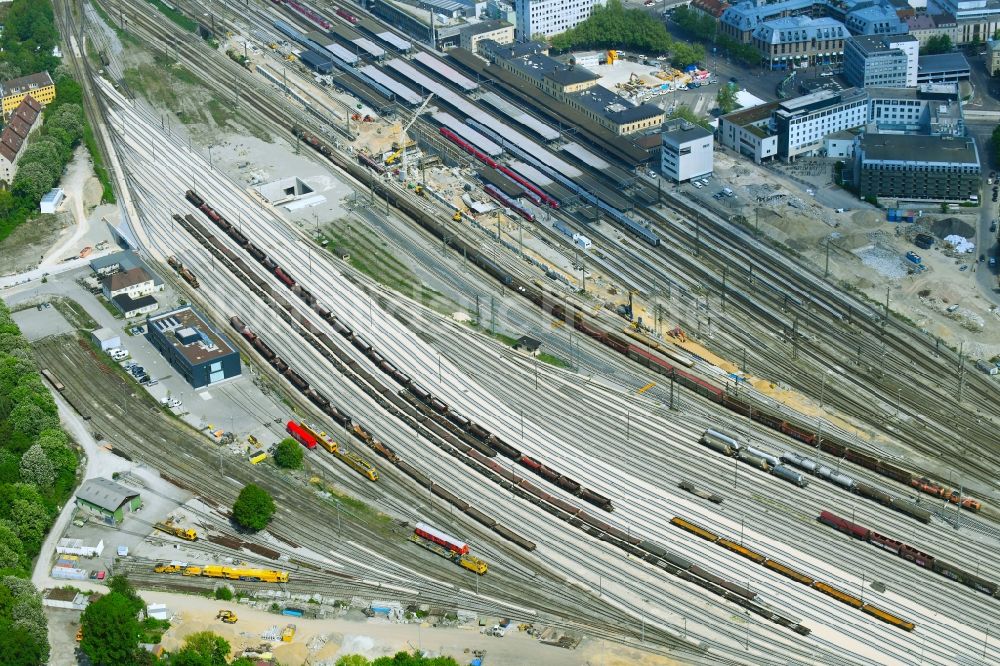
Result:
{"points": [[169, 527]]}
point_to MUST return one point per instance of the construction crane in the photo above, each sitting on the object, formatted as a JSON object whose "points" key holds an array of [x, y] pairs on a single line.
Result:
{"points": [[402, 128]]}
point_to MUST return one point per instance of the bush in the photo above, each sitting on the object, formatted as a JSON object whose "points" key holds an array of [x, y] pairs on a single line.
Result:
{"points": [[254, 508], [288, 454], [223, 593]]}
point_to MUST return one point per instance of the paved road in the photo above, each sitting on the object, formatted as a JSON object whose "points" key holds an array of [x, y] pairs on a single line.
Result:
{"points": [[986, 240]]}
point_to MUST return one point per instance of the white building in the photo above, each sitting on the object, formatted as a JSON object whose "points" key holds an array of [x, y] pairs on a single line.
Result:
{"points": [[687, 152], [550, 17], [52, 200], [804, 122], [887, 61]]}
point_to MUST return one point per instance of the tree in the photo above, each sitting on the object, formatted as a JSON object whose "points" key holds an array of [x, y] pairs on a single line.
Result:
{"points": [[696, 24], [937, 44], [684, 112], [120, 584], [683, 54], [202, 649], [288, 454], [613, 26], [32, 181], [11, 550], [111, 631], [19, 647], [36, 467], [353, 660], [254, 508], [726, 98]]}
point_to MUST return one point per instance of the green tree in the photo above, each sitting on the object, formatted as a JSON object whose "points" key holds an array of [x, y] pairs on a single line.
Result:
{"points": [[726, 98], [201, 649], [937, 44], [353, 660], [684, 112], [254, 508], [613, 26], [111, 631], [19, 647], [288, 454], [683, 54], [11, 550], [32, 181], [120, 584], [694, 23], [36, 467]]}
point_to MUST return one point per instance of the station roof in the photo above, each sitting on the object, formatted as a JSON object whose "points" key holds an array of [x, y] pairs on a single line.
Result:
{"points": [[519, 116], [467, 133], [440, 68], [394, 40], [400, 90]]}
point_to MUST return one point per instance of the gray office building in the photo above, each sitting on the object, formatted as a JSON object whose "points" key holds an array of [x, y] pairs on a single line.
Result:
{"points": [[196, 350], [885, 61], [915, 167]]}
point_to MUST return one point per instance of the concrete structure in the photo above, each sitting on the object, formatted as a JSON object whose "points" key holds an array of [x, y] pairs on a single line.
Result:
{"points": [[27, 117], [916, 167], [550, 17], [800, 126], [79, 547], [106, 339], [840, 144], [199, 352], [576, 87], [993, 57], [749, 132], [500, 32], [52, 200], [943, 68], [68, 599], [39, 86], [798, 41], [880, 60], [107, 500], [687, 151]]}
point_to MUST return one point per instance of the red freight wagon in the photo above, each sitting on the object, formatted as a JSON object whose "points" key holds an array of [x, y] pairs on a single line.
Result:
{"points": [[844, 525], [300, 435], [440, 538]]}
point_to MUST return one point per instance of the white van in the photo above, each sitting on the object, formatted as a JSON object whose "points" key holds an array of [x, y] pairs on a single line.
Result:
{"points": [[118, 354]]}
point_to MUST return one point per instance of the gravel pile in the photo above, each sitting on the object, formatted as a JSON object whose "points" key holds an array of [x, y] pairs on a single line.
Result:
{"points": [[885, 261]]}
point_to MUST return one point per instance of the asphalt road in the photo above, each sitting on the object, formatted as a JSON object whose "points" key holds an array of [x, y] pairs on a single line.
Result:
{"points": [[986, 277]]}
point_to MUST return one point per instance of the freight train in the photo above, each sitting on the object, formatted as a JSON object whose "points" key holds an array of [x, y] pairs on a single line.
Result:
{"points": [[349, 458], [727, 445], [789, 572], [910, 553], [405, 410]]}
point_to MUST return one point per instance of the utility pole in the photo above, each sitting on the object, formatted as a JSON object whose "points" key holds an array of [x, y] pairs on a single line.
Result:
{"points": [[961, 370]]}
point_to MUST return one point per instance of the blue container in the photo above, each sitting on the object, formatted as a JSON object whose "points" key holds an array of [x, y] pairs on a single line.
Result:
{"points": [[294, 612]]}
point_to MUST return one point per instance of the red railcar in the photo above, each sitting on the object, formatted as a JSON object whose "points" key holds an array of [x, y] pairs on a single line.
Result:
{"points": [[469, 148], [845, 526], [284, 277], [347, 16], [885, 542], [440, 538], [300, 435]]}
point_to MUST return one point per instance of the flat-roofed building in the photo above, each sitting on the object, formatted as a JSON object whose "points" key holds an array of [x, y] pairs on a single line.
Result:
{"points": [[916, 167], [500, 32], [687, 151], [943, 68], [198, 351], [887, 61], [750, 132], [550, 17]]}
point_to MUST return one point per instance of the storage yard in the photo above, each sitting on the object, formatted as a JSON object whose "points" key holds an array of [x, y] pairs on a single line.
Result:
{"points": [[739, 462]]}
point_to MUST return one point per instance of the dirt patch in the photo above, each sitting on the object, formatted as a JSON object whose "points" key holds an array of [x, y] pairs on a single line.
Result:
{"points": [[952, 226], [27, 243]]}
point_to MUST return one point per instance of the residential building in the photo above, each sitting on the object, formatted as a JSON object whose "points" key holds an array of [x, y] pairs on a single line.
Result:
{"points": [[500, 32], [943, 68], [133, 307], [687, 151], [750, 132], [199, 352], [134, 282], [713, 8], [799, 41], [574, 86], [881, 60], [993, 57], [550, 17], [13, 92], [916, 167], [107, 500], [23, 121]]}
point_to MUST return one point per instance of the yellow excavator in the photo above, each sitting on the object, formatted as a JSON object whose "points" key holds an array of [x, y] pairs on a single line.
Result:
{"points": [[229, 617]]}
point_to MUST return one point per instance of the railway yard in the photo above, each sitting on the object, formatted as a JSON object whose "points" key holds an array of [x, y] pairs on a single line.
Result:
{"points": [[761, 468]]}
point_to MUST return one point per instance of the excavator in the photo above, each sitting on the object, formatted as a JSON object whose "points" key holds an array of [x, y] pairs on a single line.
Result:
{"points": [[169, 527], [229, 617]]}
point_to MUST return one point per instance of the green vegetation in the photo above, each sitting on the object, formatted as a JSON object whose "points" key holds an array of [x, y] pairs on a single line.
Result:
{"points": [[28, 38], [684, 112], [937, 44], [123, 35], [288, 454], [704, 28], [726, 98], [545, 357], [111, 629], [254, 508], [37, 475], [223, 593], [615, 27], [175, 16], [398, 659], [75, 314]]}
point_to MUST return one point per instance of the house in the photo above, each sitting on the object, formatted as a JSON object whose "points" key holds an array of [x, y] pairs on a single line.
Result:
{"points": [[25, 119], [107, 500], [38, 86], [130, 291]]}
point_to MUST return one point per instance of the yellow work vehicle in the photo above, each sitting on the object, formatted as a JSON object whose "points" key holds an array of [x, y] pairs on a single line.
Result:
{"points": [[173, 567], [229, 617], [180, 532]]}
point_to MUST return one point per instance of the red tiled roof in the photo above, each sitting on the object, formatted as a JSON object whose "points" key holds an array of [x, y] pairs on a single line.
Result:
{"points": [[713, 7]]}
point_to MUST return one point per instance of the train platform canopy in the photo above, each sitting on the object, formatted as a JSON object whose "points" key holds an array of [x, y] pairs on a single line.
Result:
{"points": [[343, 54], [531, 173], [437, 66], [369, 47], [395, 41], [532, 148], [397, 88], [407, 70], [520, 117], [318, 37], [467, 133], [321, 62], [585, 156]]}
